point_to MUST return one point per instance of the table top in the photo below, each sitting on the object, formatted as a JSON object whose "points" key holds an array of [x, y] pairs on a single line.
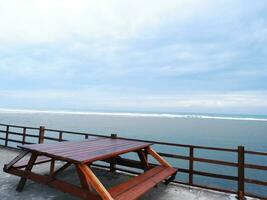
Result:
{"points": [[86, 151]]}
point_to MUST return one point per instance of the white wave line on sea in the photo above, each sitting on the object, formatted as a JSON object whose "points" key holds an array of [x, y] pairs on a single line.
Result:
{"points": [[128, 114]]}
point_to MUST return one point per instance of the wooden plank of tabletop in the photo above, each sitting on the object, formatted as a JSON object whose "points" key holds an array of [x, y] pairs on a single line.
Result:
{"points": [[87, 150]]}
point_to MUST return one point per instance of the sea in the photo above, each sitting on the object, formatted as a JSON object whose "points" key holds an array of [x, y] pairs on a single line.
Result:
{"points": [[214, 130]]}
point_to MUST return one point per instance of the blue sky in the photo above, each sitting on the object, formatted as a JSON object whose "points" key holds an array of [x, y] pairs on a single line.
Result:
{"points": [[162, 56]]}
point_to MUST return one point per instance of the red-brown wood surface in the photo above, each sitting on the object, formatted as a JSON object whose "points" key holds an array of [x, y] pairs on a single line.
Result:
{"points": [[138, 185], [39, 160], [86, 151], [82, 153]]}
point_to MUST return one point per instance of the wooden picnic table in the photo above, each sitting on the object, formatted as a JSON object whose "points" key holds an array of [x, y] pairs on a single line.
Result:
{"points": [[82, 154]]}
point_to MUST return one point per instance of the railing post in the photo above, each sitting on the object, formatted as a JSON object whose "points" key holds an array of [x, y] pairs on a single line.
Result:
{"points": [[191, 165], [60, 137], [41, 134], [86, 137], [24, 135], [241, 173], [113, 160], [7, 133], [113, 136]]}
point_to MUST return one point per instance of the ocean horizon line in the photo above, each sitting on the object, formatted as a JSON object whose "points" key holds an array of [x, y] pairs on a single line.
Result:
{"points": [[132, 114]]}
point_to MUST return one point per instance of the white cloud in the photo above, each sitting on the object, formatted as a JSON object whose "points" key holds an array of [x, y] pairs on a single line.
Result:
{"points": [[91, 29], [247, 101], [38, 21]]}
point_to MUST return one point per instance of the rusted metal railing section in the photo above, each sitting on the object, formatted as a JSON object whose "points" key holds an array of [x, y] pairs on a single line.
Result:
{"points": [[240, 165]]}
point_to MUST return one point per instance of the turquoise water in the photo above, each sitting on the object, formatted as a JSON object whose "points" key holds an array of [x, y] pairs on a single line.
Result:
{"points": [[198, 129]]}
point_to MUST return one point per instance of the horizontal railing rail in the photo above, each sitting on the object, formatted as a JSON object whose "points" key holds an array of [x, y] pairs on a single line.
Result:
{"points": [[240, 165]]}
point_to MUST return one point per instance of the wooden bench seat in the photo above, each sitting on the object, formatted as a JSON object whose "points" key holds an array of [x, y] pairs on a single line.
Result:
{"points": [[39, 160], [138, 185]]}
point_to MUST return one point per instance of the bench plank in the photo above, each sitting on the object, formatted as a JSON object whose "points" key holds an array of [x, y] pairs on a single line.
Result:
{"points": [[116, 190], [138, 185], [136, 191], [39, 160], [167, 172]]}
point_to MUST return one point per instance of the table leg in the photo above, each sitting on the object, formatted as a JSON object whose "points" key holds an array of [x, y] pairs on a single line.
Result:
{"points": [[28, 168], [52, 168], [143, 159], [112, 165], [170, 179], [84, 182], [90, 179]]}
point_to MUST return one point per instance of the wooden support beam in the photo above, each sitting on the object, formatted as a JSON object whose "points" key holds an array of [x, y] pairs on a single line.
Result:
{"points": [[28, 169], [62, 168], [58, 184], [94, 182], [161, 160]]}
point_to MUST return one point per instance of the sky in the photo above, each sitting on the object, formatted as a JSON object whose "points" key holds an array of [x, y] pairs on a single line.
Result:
{"points": [[154, 55]]}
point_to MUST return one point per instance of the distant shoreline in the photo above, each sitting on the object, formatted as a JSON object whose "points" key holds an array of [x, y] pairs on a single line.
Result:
{"points": [[130, 114]]}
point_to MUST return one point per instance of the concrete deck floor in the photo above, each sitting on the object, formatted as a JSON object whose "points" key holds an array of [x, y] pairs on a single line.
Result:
{"points": [[37, 191]]}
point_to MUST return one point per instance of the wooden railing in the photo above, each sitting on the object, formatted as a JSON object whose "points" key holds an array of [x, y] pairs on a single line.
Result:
{"points": [[123, 164]]}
